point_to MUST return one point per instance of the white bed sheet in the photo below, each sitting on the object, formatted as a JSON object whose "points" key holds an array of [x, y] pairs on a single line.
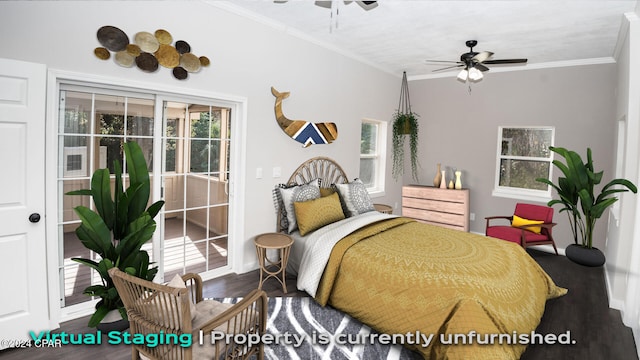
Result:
{"points": [[297, 250], [316, 248]]}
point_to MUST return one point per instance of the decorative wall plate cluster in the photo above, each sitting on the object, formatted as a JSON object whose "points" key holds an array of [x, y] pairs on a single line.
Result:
{"points": [[149, 51]]}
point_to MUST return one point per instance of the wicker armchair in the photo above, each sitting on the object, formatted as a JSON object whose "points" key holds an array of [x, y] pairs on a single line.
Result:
{"points": [[179, 315]]}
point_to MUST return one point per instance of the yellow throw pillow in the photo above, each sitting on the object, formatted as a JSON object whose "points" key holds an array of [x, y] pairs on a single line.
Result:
{"points": [[326, 191], [314, 214], [518, 222]]}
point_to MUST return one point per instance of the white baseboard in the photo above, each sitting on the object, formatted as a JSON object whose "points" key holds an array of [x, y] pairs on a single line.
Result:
{"points": [[613, 303]]}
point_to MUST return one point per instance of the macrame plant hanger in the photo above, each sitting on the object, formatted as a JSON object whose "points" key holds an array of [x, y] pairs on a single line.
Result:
{"points": [[404, 106]]}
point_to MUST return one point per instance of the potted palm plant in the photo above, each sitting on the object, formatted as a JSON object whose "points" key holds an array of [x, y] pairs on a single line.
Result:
{"points": [[576, 192], [405, 122], [117, 229]]}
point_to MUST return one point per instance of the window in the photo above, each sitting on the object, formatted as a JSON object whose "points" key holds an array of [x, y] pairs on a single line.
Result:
{"points": [[523, 155], [372, 155]]}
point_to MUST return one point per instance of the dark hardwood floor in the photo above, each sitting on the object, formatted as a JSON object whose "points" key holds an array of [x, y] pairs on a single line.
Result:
{"points": [[598, 331]]}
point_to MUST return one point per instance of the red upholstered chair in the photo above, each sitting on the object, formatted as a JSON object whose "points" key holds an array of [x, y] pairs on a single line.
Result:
{"points": [[522, 234]]}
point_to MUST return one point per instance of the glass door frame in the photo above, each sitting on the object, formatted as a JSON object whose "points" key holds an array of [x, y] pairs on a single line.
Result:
{"points": [[234, 170], [236, 231]]}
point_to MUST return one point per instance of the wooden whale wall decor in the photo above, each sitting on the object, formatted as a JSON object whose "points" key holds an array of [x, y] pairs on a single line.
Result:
{"points": [[302, 131]]}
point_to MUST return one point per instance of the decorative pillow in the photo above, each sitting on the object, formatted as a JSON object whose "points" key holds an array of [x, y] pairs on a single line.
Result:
{"points": [[355, 198], [278, 203], [177, 282], [305, 192], [314, 214], [326, 191], [518, 221]]}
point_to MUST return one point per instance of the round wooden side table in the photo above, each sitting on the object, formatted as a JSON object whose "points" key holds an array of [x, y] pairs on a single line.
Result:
{"points": [[385, 209], [273, 268]]}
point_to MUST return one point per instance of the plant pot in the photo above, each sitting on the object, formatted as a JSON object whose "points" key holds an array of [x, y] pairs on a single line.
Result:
{"points": [[406, 128], [113, 321], [585, 256]]}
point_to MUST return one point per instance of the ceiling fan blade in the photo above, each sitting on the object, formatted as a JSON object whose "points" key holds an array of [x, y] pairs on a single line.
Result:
{"points": [[449, 67], [505, 61], [481, 67], [324, 3], [367, 5], [444, 61], [482, 56]]}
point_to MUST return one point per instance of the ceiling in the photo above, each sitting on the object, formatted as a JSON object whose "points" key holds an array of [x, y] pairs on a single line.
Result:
{"points": [[399, 35]]}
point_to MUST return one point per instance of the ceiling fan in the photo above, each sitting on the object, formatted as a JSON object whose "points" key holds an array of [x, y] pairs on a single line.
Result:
{"points": [[367, 5], [473, 63]]}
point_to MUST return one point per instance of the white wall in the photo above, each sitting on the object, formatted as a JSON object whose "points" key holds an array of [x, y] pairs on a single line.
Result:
{"points": [[248, 57], [623, 250]]}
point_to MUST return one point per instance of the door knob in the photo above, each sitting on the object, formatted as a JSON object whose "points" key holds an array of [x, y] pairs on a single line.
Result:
{"points": [[34, 218]]}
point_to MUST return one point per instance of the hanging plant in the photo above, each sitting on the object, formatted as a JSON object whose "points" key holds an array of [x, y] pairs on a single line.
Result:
{"points": [[405, 122]]}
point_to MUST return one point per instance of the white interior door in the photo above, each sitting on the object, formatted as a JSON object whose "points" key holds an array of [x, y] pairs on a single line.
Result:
{"points": [[23, 272]]}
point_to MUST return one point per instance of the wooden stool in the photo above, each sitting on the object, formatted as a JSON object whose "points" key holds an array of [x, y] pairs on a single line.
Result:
{"points": [[276, 241], [385, 209]]}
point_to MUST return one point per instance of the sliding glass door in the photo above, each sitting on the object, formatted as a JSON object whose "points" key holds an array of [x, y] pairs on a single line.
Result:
{"points": [[192, 141], [195, 182]]}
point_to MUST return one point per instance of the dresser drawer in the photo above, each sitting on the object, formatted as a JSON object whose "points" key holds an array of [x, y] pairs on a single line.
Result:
{"points": [[443, 207]]}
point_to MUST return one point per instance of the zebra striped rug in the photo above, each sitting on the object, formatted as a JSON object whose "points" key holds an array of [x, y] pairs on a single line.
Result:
{"points": [[313, 332]]}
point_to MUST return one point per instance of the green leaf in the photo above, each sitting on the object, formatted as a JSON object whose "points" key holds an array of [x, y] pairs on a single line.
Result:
{"points": [[154, 209], [101, 312], [93, 232], [136, 163], [101, 193], [96, 290], [90, 263], [598, 209], [80, 192], [138, 196]]}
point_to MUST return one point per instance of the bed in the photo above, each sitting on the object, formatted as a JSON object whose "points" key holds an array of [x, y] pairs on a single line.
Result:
{"points": [[436, 286]]}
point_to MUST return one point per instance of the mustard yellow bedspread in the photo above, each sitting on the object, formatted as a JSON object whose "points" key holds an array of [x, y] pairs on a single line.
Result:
{"points": [[403, 277]]}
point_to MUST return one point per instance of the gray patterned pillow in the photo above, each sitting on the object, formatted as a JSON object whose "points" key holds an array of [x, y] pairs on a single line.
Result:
{"points": [[305, 192], [355, 198]]}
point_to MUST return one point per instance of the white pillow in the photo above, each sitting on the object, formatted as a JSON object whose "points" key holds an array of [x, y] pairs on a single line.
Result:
{"points": [[177, 282], [305, 192], [355, 198]]}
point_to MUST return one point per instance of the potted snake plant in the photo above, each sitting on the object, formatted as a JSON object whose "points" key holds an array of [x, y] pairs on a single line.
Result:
{"points": [[578, 198], [116, 230]]}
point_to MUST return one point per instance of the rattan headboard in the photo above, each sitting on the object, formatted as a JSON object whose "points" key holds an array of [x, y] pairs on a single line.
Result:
{"points": [[319, 167]]}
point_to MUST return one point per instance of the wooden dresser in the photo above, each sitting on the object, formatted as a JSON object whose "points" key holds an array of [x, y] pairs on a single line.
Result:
{"points": [[443, 207]]}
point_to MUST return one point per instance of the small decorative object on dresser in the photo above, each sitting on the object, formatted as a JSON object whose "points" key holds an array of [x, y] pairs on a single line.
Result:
{"points": [[437, 206], [443, 180], [273, 268], [458, 180], [438, 178]]}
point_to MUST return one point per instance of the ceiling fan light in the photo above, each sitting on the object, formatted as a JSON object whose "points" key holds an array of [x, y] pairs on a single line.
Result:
{"points": [[462, 75], [475, 74]]}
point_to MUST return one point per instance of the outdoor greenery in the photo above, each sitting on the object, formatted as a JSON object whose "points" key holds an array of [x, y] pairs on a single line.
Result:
{"points": [[118, 227], [205, 142], [576, 192], [405, 124], [368, 144], [525, 156]]}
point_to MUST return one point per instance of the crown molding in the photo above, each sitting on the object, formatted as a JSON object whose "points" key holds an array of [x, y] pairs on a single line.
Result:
{"points": [[547, 65]]}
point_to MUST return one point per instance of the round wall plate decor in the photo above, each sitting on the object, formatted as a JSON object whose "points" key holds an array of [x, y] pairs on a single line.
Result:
{"points": [[112, 38]]}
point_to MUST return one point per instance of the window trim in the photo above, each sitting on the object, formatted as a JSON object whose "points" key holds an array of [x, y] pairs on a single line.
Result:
{"points": [[381, 155], [522, 193]]}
